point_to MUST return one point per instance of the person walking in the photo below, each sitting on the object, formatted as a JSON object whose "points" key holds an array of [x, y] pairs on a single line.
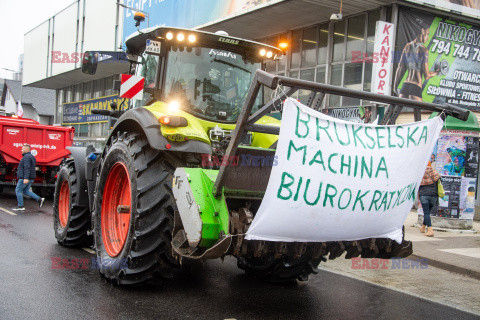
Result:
{"points": [[428, 193], [25, 175]]}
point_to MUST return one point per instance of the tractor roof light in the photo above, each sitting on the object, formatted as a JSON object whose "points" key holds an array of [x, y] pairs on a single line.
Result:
{"points": [[138, 17], [192, 38], [180, 37], [169, 36], [263, 52], [269, 54]]}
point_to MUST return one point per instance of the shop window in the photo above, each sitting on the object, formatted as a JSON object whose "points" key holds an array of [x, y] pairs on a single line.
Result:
{"points": [[87, 90], [309, 75], [320, 77], [373, 17], [367, 77], [82, 130], [336, 80], [355, 35], [99, 88], [296, 45], [309, 47], [352, 80], [108, 86], [322, 43], [338, 40]]}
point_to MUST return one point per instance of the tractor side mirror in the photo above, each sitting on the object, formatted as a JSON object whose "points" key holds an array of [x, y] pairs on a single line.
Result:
{"points": [[90, 62]]}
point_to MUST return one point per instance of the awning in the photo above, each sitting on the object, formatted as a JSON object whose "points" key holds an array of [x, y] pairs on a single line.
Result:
{"points": [[106, 68], [288, 15]]}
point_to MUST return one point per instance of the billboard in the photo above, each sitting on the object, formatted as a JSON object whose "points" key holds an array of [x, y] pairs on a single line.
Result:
{"points": [[187, 13], [438, 60], [81, 111], [465, 7]]}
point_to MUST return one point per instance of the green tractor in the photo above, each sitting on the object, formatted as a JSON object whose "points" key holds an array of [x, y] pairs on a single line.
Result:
{"points": [[168, 186]]}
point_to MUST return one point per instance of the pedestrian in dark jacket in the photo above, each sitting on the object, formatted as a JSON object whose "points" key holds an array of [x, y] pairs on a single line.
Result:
{"points": [[25, 175], [428, 193]]}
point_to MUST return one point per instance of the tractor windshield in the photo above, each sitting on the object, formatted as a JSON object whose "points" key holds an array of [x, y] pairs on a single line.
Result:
{"points": [[209, 83]]}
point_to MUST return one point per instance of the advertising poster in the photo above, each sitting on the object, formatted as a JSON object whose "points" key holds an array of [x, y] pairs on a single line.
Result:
{"points": [[471, 160], [438, 60], [81, 111], [465, 7], [467, 200], [449, 206], [451, 153], [456, 159]]}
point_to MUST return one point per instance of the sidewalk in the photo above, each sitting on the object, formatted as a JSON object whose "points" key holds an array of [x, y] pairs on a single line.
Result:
{"points": [[451, 251]]}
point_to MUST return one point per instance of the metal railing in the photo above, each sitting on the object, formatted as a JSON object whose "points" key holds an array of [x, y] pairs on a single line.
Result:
{"points": [[246, 121]]}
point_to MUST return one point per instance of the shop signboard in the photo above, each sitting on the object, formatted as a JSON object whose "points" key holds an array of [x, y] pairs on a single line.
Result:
{"points": [[438, 60], [382, 70], [80, 112], [187, 13]]}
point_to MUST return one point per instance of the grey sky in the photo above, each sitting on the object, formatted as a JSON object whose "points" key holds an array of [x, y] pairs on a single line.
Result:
{"points": [[18, 17]]}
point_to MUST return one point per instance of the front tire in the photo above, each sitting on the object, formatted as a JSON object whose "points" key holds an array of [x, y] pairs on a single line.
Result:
{"points": [[133, 215], [71, 222]]}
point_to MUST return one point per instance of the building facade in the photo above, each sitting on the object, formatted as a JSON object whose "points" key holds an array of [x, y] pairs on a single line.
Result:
{"points": [[338, 52]]}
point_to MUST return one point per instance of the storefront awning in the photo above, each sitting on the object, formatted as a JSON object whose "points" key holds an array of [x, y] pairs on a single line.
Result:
{"points": [[105, 69], [288, 15]]}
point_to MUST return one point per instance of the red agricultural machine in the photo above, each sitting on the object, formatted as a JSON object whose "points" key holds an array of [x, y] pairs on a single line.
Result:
{"points": [[49, 146]]}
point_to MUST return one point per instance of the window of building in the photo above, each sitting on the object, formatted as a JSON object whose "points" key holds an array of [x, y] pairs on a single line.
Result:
{"points": [[296, 44], [313, 58], [309, 48]]}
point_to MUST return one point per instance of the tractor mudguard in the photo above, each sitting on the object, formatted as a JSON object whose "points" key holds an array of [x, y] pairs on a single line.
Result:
{"points": [[79, 155], [144, 120]]}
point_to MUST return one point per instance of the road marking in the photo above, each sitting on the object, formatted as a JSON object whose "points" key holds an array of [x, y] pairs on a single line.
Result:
{"points": [[8, 211], [89, 250], [469, 252]]}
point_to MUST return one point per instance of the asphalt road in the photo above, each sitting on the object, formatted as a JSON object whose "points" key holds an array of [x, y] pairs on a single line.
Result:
{"points": [[31, 289]]}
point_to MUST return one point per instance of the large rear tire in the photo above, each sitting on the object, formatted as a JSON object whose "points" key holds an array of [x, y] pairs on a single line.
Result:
{"points": [[133, 213], [286, 269], [71, 222]]}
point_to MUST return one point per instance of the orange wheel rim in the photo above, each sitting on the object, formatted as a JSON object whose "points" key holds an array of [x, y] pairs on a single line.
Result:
{"points": [[64, 203], [116, 197]]}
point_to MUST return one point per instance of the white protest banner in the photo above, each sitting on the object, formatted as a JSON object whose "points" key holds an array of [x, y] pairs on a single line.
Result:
{"points": [[342, 181]]}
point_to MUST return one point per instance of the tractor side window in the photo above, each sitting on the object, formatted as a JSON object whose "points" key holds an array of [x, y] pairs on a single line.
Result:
{"points": [[147, 68]]}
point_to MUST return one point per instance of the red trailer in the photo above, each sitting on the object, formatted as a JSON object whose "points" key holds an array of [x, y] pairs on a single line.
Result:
{"points": [[48, 144]]}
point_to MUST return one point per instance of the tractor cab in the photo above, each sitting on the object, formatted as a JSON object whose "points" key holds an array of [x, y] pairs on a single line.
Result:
{"points": [[204, 74]]}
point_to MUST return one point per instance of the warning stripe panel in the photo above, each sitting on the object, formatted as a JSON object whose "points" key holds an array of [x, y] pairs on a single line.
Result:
{"points": [[131, 86]]}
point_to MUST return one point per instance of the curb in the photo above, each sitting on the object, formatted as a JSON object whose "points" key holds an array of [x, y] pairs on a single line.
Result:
{"points": [[450, 267], [472, 231]]}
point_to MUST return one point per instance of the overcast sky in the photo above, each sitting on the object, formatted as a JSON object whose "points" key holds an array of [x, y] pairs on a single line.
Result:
{"points": [[18, 17]]}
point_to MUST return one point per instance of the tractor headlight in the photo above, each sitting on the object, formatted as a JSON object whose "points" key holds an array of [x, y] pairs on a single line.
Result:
{"points": [[173, 106]]}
